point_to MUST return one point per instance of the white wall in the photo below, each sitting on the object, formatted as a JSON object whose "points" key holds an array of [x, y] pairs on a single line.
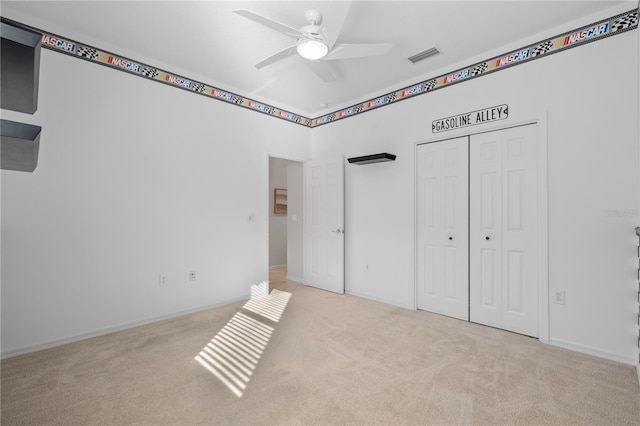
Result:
{"points": [[294, 221], [135, 179], [590, 95], [277, 222]]}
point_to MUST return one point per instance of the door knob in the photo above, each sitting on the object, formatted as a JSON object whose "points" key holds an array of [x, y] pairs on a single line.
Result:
{"points": [[450, 238], [487, 238]]}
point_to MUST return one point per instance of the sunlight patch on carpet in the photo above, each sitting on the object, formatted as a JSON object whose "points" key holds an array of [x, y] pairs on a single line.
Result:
{"points": [[234, 353], [271, 306]]}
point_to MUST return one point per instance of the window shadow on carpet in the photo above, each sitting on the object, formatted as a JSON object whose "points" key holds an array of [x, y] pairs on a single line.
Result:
{"points": [[234, 353]]}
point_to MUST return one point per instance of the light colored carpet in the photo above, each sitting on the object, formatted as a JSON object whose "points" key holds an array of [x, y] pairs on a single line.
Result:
{"points": [[329, 360]]}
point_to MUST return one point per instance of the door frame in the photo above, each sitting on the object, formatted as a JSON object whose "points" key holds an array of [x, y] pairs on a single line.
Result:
{"points": [[267, 206], [540, 121]]}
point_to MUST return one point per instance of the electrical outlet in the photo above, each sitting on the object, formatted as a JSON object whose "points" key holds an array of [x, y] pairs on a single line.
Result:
{"points": [[192, 275], [162, 280], [558, 297]]}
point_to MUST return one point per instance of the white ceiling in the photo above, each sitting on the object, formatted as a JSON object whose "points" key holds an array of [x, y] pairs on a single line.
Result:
{"points": [[205, 41]]}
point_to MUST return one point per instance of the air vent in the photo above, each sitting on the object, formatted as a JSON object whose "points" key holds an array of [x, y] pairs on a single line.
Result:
{"points": [[424, 55]]}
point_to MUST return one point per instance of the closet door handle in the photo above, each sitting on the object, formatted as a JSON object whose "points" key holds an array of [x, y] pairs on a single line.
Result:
{"points": [[487, 238], [450, 238]]}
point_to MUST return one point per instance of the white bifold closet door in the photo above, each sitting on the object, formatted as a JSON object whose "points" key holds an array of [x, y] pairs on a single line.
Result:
{"points": [[443, 226], [503, 223]]}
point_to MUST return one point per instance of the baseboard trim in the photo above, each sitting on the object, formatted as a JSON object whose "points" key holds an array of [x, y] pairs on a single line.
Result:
{"points": [[589, 350], [109, 330], [365, 296], [296, 279], [277, 266]]}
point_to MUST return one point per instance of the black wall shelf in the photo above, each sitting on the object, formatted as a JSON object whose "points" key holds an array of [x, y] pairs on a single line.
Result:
{"points": [[370, 159], [20, 145], [20, 72]]}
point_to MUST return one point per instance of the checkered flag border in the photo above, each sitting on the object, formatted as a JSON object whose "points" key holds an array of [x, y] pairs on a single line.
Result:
{"points": [[479, 69], [542, 48], [150, 72], [87, 52], [198, 87], [430, 85], [625, 22]]}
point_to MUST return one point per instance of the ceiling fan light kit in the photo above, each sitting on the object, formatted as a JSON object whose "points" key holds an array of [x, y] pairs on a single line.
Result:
{"points": [[312, 49], [317, 40]]}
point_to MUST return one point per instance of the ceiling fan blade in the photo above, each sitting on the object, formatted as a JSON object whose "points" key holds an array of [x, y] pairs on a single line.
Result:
{"points": [[277, 56], [282, 28], [321, 69], [347, 51], [335, 21]]}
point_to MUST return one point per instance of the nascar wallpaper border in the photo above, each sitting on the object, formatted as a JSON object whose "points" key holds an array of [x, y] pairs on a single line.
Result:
{"points": [[597, 31], [102, 57]]}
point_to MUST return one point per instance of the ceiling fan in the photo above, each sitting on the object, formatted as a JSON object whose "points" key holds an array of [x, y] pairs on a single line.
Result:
{"points": [[316, 42]]}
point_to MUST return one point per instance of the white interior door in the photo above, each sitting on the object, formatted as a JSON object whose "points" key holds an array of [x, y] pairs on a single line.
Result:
{"points": [[324, 224], [443, 220], [504, 229]]}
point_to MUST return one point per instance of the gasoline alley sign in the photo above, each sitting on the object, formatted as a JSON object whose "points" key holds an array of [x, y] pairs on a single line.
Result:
{"points": [[467, 119]]}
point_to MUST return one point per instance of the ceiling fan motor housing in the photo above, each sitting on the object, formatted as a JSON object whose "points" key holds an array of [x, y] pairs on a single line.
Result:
{"points": [[312, 32], [313, 16]]}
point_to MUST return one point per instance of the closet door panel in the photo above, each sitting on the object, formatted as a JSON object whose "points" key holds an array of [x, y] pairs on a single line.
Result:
{"points": [[485, 232], [442, 219], [503, 229]]}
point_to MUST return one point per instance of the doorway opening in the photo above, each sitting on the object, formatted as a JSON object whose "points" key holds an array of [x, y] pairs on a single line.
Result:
{"points": [[285, 227]]}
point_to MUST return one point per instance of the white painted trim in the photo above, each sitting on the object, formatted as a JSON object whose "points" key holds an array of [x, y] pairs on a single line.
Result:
{"points": [[277, 266], [413, 304], [638, 223], [543, 210], [295, 279], [543, 230], [305, 233], [414, 249], [375, 299], [109, 330], [590, 350]]}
